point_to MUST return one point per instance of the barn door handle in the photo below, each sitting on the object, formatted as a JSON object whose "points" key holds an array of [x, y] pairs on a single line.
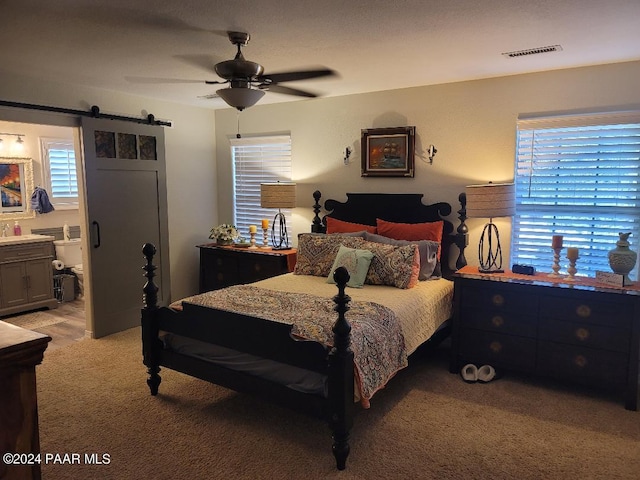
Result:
{"points": [[96, 226]]}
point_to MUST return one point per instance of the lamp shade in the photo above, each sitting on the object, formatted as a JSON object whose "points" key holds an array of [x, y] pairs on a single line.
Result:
{"points": [[278, 195], [240, 97], [491, 200]]}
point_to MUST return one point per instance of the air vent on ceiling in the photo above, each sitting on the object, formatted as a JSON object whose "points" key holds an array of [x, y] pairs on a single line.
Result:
{"points": [[533, 51]]}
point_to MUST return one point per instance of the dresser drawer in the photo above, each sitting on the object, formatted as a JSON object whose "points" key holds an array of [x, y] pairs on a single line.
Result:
{"points": [[499, 350], [258, 267], [588, 310], [584, 334], [582, 365], [500, 299], [499, 321], [12, 253]]}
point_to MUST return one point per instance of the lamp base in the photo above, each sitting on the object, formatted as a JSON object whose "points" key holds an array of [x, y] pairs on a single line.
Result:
{"points": [[281, 242], [484, 270]]}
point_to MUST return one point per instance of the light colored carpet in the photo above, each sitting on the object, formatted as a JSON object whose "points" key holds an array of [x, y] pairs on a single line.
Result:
{"points": [[428, 424], [34, 320]]}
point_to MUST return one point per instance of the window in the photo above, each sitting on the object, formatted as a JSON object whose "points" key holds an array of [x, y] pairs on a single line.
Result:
{"points": [[258, 160], [59, 172], [578, 177]]}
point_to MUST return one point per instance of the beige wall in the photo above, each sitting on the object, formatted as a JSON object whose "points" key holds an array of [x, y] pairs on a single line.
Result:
{"points": [[472, 124], [190, 153]]}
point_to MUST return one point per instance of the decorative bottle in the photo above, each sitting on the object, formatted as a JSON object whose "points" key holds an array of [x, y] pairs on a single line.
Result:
{"points": [[17, 230], [622, 259]]}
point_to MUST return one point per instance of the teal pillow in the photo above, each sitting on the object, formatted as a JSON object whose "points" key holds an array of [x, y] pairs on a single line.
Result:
{"points": [[355, 261]]}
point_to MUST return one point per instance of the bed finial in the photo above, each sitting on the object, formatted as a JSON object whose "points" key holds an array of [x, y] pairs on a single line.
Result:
{"points": [[316, 226], [462, 238], [150, 289], [341, 376]]}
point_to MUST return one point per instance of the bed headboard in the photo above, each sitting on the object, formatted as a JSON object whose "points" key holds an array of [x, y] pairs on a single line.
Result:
{"points": [[364, 208]]}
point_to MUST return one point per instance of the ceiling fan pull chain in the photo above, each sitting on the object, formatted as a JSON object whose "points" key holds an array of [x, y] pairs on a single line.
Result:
{"points": [[238, 134]]}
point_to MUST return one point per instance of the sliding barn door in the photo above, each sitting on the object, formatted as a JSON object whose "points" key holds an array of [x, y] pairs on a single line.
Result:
{"points": [[126, 206]]}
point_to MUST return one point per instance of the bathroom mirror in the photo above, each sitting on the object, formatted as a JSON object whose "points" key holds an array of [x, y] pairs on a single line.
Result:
{"points": [[16, 185]]}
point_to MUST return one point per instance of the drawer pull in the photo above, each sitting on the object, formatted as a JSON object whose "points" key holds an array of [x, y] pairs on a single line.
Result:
{"points": [[582, 334], [220, 276], [218, 261], [497, 300], [495, 346], [580, 361], [583, 311], [257, 267], [497, 321]]}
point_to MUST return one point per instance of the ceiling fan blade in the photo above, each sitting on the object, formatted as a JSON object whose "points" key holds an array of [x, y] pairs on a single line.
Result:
{"points": [[156, 80], [293, 76], [287, 90], [201, 61]]}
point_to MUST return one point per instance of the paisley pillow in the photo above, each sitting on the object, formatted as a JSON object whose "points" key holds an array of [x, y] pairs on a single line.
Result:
{"points": [[398, 266], [317, 252]]}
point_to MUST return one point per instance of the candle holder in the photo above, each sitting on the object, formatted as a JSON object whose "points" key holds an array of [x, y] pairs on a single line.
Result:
{"points": [[253, 241], [556, 262], [572, 270], [265, 239]]}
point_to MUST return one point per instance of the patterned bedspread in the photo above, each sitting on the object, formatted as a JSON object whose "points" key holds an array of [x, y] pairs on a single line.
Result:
{"points": [[376, 337]]}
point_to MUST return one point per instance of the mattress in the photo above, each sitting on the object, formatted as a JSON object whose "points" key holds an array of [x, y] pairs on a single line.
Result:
{"points": [[420, 311]]}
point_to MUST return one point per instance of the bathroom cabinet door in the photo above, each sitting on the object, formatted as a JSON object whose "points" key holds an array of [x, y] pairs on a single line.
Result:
{"points": [[126, 207]]}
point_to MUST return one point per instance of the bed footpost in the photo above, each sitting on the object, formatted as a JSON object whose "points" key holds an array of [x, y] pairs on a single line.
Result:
{"points": [[150, 343], [341, 374]]}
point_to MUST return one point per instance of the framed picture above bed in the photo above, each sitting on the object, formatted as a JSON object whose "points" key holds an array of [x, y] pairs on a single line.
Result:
{"points": [[388, 152]]}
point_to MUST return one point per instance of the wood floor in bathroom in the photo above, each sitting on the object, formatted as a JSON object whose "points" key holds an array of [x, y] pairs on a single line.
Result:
{"points": [[70, 330]]}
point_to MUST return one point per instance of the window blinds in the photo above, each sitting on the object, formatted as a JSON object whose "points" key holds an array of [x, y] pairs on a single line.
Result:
{"points": [[61, 169], [577, 177], [258, 160]]}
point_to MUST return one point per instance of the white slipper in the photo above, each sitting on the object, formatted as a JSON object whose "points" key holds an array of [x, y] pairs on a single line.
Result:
{"points": [[486, 373], [469, 373]]}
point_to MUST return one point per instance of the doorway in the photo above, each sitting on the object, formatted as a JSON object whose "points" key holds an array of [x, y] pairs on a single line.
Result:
{"points": [[69, 321]]}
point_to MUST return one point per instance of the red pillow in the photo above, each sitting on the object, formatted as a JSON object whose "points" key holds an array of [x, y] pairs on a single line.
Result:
{"points": [[340, 226], [412, 231]]}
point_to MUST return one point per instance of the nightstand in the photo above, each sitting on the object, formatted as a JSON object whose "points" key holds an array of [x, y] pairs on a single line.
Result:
{"points": [[575, 331], [222, 266]]}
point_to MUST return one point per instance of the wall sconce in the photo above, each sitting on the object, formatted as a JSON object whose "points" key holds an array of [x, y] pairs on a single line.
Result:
{"points": [[431, 152], [347, 154], [19, 143]]}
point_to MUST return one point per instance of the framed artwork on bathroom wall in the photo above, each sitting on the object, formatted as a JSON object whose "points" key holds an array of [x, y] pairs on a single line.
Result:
{"points": [[16, 188]]}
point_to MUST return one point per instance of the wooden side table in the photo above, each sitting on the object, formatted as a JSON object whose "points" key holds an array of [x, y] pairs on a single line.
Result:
{"points": [[20, 351], [222, 266]]}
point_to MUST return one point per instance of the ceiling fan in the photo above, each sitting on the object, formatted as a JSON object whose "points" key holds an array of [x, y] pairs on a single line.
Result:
{"points": [[247, 80]]}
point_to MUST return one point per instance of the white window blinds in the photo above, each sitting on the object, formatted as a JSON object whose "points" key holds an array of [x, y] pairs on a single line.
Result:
{"points": [[59, 162], [258, 160], [578, 177]]}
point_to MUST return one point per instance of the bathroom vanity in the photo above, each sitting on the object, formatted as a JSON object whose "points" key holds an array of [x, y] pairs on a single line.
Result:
{"points": [[26, 274]]}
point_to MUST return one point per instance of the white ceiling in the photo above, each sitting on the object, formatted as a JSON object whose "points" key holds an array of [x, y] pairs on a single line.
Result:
{"points": [[373, 44]]}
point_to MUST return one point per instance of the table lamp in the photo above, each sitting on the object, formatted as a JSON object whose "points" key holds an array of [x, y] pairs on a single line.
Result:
{"points": [[278, 195], [490, 200]]}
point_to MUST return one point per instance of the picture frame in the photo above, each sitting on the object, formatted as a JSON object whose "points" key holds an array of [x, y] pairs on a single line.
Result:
{"points": [[16, 188], [388, 152]]}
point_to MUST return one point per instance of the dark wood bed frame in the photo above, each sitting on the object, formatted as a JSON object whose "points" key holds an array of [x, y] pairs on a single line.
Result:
{"points": [[272, 340]]}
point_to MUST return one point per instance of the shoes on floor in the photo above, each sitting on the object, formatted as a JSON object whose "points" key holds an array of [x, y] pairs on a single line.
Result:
{"points": [[486, 373], [469, 373]]}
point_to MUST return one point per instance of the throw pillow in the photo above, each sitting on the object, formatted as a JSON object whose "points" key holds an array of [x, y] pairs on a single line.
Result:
{"points": [[317, 252], [355, 261], [398, 266], [428, 250], [340, 226], [412, 231]]}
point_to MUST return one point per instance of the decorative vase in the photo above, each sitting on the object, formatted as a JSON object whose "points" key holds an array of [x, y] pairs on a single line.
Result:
{"points": [[622, 259], [224, 241]]}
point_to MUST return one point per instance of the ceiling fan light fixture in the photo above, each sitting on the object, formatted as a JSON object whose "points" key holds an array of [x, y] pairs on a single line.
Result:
{"points": [[240, 98]]}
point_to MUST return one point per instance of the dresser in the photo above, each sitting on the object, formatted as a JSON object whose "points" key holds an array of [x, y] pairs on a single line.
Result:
{"points": [[576, 331], [20, 351], [223, 266]]}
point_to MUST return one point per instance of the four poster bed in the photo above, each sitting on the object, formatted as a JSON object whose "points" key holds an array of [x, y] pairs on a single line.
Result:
{"points": [[292, 339]]}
